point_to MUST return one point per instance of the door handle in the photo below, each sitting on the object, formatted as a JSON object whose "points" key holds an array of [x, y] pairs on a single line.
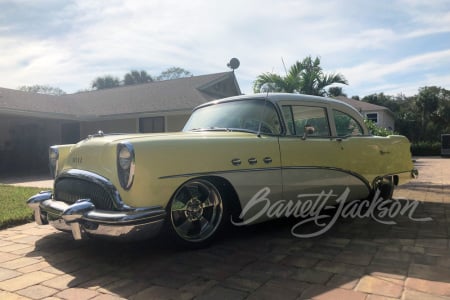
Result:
{"points": [[252, 161], [267, 160], [236, 161]]}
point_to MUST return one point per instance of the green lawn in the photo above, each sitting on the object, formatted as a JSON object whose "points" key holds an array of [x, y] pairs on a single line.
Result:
{"points": [[13, 207]]}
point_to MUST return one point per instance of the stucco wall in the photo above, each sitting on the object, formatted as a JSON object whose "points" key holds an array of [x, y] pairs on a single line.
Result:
{"points": [[385, 119]]}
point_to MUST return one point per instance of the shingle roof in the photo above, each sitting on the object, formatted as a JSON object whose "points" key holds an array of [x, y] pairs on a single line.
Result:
{"points": [[19, 102], [171, 95], [363, 106]]}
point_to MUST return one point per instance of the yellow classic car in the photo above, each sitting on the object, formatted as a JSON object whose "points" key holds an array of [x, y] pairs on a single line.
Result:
{"points": [[191, 183]]}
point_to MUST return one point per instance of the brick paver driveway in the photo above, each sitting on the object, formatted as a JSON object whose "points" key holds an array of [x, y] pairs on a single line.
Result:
{"points": [[356, 259]]}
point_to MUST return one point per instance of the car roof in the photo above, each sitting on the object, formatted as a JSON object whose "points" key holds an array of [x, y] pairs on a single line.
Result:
{"points": [[277, 97]]}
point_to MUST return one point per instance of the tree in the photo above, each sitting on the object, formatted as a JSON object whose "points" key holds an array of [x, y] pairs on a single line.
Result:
{"points": [[305, 77], [173, 73], [382, 100], [432, 103], [422, 117], [136, 77], [105, 82], [336, 91], [42, 89]]}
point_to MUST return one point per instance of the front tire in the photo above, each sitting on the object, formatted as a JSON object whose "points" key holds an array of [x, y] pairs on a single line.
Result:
{"points": [[196, 213]]}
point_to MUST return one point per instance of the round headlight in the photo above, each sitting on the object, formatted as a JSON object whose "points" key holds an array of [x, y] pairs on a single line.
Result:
{"points": [[125, 158], [53, 153], [125, 164], [53, 156]]}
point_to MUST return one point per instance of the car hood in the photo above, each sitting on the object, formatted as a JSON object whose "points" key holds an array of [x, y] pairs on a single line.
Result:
{"points": [[137, 137], [99, 151]]}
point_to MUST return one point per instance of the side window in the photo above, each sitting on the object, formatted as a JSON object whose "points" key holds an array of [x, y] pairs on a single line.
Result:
{"points": [[346, 125], [298, 117]]}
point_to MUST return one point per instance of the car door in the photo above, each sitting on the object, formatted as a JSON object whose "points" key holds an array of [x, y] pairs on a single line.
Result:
{"points": [[311, 158], [361, 153], [254, 159]]}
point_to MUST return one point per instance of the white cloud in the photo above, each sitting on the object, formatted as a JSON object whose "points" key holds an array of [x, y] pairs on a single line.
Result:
{"points": [[81, 40]]}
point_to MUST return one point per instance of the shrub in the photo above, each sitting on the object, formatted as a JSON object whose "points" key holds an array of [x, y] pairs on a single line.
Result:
{"points": [[426, 148], [377, 130]]}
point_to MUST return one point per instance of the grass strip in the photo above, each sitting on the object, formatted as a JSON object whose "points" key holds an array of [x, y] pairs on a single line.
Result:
{"points": [[13, 207]]}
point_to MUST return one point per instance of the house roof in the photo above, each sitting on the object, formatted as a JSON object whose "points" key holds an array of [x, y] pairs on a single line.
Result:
{"points": [[363, 106], [181, 94], [25, 103]]}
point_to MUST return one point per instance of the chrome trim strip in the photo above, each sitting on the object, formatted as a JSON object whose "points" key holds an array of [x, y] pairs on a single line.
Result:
{"points": [[361, 178], [219, 172], [267, 169]]}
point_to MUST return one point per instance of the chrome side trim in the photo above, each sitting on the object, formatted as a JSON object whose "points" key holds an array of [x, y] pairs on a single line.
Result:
{"points": [[360, 177], [219, 172], [268, 169]]}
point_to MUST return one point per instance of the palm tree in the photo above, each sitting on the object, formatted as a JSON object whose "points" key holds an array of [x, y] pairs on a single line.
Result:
{"points": [[305, 77]]}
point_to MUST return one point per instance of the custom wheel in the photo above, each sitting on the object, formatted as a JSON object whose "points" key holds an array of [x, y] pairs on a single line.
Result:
{"points": [[196, 213]]}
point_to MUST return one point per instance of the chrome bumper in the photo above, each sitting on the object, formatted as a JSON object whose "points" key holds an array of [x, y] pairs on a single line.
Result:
{"points": [[84, 220]]}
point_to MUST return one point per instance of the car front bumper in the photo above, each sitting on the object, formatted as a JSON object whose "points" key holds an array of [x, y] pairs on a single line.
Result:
{"points": [[84, 220]]}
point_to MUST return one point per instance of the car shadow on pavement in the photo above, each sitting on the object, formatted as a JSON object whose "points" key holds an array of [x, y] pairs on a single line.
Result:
{"points": [[354, 258], [430, 187]]}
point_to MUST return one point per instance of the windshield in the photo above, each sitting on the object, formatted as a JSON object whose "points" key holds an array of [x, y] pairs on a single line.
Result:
{"points": [[248, 115]]}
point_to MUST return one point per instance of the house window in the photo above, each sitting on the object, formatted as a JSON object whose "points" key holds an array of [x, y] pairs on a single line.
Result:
{"points": [[151, 124], [372, 117]]}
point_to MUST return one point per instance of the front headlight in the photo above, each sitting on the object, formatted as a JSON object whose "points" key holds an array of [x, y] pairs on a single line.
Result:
{"points": [[53, 156], [125, 164]]}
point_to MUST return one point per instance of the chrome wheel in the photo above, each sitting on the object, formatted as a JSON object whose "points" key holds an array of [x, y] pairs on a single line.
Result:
{"points": [[196, 211]]}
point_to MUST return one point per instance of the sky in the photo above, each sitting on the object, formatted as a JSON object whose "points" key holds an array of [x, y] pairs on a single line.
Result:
{"points": [[389, 46]]}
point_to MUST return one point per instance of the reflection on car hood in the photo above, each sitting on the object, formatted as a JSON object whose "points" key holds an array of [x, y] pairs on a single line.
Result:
{"points": [[116, 138]]}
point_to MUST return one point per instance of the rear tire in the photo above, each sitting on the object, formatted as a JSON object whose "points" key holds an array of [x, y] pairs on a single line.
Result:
{"points": [[386, 188]]}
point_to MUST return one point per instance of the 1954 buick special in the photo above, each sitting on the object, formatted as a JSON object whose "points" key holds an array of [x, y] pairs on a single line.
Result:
{"points": [[132, 186]]}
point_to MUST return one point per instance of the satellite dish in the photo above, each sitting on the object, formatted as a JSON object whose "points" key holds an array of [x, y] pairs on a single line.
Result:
{"points": [[233, 64]]}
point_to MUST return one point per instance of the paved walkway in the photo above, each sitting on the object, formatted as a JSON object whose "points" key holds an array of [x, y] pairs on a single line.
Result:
{"points": [[357, 259], [39, 181]]}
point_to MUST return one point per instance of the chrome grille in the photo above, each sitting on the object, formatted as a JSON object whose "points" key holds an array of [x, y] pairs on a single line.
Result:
{"points": [[70, 190]]}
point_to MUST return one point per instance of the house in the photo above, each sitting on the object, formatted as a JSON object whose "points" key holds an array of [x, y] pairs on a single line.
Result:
{"points": [[380, 115], [30, 122]]}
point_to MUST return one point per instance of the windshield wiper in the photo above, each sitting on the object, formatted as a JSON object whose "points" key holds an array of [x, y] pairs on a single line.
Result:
{"points": [[211, 129]]}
